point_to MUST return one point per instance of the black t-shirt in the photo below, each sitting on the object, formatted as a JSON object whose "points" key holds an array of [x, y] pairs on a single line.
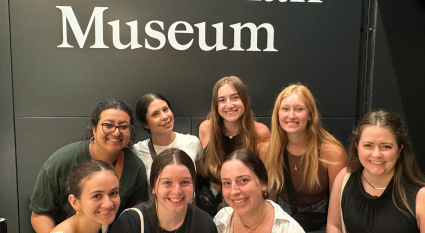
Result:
{"points": [[196, 220]]}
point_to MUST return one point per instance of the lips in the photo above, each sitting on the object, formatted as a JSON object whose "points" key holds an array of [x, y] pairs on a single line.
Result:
{"points": [[239, 201], [167, 124], [176, 200], [377, 162], [106, 212], [292, 123]]}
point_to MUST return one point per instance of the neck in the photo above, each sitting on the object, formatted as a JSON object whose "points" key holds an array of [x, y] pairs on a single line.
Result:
{"points": [[168, 220], [378, 181], [85, 225], [164, 139], [253, 216], [231, 128], [297, 143], [98, 153]]}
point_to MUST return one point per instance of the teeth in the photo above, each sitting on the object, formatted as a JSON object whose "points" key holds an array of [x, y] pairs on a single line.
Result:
{"points": [[176, 200], [240, 201], [114, 140], [377, 163]]}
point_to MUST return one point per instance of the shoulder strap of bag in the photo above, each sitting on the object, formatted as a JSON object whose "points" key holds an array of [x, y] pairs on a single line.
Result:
{"points": [[152, 149], [120, 163], [347, 175], [141, 217], [288, 183]]}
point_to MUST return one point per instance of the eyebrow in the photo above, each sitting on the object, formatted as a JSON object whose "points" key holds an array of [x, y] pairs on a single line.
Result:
{"points": [[101, 191], [222, 96], [238, 177], [111, 121], [166, 178]]}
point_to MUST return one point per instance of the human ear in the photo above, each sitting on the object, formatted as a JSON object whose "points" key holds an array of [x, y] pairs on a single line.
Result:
{"points": [[75, 203]]}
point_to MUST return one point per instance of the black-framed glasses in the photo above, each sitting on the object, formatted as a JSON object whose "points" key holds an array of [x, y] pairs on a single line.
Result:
{"points": [[109, 128]]}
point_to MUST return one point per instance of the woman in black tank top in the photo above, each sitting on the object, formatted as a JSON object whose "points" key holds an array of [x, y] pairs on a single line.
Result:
{"points": [[382, 187]]}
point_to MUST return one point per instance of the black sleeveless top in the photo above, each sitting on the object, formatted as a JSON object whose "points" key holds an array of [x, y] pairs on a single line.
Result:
{"points": [[364, 213]]}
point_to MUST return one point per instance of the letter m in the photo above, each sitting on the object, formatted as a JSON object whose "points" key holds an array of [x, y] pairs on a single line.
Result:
{"points": [[69, 16], [254, 31]]}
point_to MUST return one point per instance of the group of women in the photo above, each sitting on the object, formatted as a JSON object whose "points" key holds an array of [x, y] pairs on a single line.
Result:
{"points": [[246, 178]]}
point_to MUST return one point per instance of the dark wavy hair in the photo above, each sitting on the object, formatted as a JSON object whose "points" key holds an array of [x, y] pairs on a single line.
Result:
{"points": [[105, 105], [406, 168], [143, 105]]}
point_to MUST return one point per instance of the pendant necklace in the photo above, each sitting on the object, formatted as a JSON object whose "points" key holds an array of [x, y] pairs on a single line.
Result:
{"points": [[371, 184], [293, 160]]}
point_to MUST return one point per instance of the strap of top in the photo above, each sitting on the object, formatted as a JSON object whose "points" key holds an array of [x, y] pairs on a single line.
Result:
{"points": [[141, 218], [288, 183], [152, 149]]}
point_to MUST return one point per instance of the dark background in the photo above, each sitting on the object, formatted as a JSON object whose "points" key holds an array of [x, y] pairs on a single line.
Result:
{"points": [[47, 93]]}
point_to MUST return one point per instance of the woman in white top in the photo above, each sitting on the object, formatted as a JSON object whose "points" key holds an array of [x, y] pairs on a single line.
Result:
{"points": [[93, 188], [244, 186], [153, 111]]}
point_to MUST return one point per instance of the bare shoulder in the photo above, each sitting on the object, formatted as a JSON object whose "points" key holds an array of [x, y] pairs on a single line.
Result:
{"points": [[420, 208], [204, 133], [261, 130], [340, 178], [64, 226], [332, 152], [262, 149]]}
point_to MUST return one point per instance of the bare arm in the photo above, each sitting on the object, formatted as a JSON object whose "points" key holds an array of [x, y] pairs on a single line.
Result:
{"points": [[420, 209], [262, 132], [262, 151], [204, 133], [42, 223], [334, 224], [335, 155]]}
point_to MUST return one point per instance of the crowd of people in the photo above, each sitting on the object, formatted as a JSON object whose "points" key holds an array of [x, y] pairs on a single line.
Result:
{"points": [[237, 177]]}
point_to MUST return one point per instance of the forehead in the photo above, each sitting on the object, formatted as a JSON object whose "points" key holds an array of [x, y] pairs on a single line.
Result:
{"points": [[156, 104], [374, 133], [234, 168], [114, 114], [226, 89], [101, 180], [292, 99], [175, 171]]}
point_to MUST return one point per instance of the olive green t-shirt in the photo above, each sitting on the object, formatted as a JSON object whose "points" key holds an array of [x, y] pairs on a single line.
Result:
{"points": [[50, 197]]}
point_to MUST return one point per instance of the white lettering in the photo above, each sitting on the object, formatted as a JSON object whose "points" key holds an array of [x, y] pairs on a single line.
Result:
{"points": [[69, 16], [219, 37], [155, 34], [116, 35], [172, 35], [254, 35]]}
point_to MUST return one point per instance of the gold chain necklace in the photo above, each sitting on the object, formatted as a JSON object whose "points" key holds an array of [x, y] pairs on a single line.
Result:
{"points": [[257, 224], [371, 184], [302, 154]]}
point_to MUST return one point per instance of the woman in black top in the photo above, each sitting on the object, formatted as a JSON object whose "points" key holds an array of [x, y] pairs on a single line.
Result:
{"points": [[172, 182], [382, 187]]}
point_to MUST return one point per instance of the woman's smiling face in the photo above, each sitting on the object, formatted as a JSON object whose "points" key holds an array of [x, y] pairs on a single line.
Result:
{"points": [[173, 189], [241, 188]]}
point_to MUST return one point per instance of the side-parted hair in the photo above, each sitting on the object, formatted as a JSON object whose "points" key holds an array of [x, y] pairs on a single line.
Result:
{"points": [[214, 153], [143, 105], [406, 171], [105, 105], [83, 172], [167, 157], [279, 139], [253, 162]]}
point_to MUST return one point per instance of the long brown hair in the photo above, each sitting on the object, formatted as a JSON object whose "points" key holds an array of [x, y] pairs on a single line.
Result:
{"points": [[406, 171], [278, 141], [214, 153]]}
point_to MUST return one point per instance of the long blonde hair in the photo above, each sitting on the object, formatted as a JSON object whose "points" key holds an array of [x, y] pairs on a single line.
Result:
{"points": [[278, 141], [214, 153]]}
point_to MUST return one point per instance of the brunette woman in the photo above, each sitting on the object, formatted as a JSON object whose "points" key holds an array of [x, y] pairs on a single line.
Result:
{"points": [[93, 189], [110, 134], [300, 151], [153, 111], [172, 183], [383, 188], [230, 126], [244, 186]]}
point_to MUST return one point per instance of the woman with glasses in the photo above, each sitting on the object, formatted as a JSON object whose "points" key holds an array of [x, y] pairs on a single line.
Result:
{"points": [[153, 111], [109, 135]]}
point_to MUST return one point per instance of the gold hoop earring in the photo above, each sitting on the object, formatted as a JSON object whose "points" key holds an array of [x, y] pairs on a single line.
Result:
{"points": [[129, 144], [91, 139]]}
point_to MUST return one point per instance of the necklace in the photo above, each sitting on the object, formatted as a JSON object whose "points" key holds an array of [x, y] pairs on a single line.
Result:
{"points": [[174, 231], [252, 228], [295, 164], [371, 184]]}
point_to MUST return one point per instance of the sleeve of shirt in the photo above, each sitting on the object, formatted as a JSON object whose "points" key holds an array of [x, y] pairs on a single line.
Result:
{"points": [[44, 198], [127, 222], [140, 193]]}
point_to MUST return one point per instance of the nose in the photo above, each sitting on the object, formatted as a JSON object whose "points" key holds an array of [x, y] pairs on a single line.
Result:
{"points": [[107, 202], [116, 132], [376, 152], [177, 189], [235, 189], [292, 113], [163, 116]]}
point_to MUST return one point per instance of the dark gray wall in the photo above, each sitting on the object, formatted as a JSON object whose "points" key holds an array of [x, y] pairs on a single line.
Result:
{"points": [[8, 195], [399, 82], [55, 89]]}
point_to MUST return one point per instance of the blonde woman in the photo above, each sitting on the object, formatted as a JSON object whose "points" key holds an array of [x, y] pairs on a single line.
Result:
{"points": [[230, 125], [313, 157]]}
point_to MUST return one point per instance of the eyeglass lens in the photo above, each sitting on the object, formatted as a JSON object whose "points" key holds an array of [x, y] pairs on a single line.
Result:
{"points": [[110, 128]]}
